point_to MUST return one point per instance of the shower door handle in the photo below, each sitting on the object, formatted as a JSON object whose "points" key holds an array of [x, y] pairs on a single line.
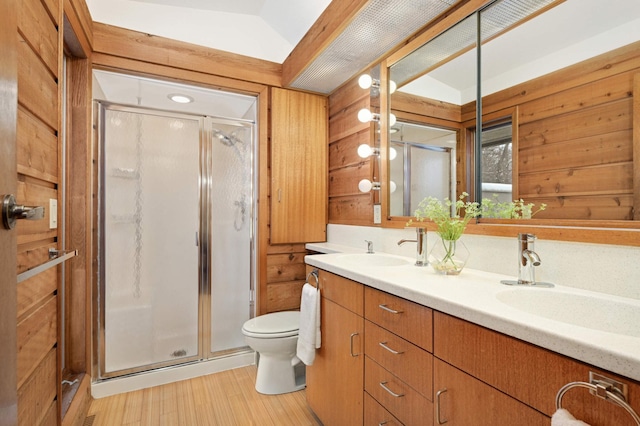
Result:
{"points": [[197, 241]]}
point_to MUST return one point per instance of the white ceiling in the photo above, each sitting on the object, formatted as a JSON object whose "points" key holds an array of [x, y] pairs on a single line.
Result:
{"points": [[264, 29]]}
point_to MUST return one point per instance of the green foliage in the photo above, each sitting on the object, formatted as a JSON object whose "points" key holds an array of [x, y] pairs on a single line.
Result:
{"points": [[516, 209], [449, 227]]}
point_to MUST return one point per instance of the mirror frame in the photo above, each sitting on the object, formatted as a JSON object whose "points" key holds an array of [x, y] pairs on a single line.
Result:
{"points": [[618, 232]]}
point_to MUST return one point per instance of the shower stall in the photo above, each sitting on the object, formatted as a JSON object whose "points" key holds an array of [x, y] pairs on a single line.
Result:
{"points": [[175, 229]]}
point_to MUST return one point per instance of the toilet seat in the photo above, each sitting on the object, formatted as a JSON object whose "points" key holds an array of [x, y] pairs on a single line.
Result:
{"points": [[274, 325]]}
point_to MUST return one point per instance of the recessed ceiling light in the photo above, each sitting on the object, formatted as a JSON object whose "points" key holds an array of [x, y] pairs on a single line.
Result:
{"points": [[181, 99]]}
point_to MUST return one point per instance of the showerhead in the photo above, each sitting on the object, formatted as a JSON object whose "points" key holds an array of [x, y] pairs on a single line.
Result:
{"points": [[228, 140]]}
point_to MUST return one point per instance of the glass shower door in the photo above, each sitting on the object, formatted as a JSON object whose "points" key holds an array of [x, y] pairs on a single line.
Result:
{"points": [[150, 181]]}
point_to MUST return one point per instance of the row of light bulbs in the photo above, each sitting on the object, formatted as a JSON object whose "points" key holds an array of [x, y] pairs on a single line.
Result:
{"points": [[365, 116]]}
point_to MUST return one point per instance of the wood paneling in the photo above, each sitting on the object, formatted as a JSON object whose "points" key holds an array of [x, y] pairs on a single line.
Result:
{"points": [[38, 91], [37, 394], [32, 194], [345, 121], [36, 337], [351, 210], [284, 278], [344, 181], [284, 296], [37, 148], [33, 291], [40, 32], [119, 42], [405, 102]]}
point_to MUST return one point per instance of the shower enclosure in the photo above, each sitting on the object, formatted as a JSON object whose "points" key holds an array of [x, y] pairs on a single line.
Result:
{"points": [[176, 226]]}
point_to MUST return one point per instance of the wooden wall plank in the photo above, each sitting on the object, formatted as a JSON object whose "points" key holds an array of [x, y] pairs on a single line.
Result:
{"points": [[33, 291], [599, 120], [352, 210], [143, 47], [607, 207], [345, 151], [593, 150], [37, 336], [34, 254], [53, 6], [284, 296], [39, 31], [598, 180], [345, 122], [432, 108], [38, 392], [344, 181], [37, 148], [285, 267], [38, 90]]}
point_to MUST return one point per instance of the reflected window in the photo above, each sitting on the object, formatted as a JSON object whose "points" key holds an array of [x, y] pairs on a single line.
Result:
{"points": [[497, 163]]}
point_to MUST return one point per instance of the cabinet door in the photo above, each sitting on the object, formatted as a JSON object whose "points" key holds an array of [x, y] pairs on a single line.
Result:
{"points": [[466, 401], [335, 380], [299, 145]]}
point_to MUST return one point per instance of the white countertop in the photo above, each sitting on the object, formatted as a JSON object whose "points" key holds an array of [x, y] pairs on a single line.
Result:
{"points": [[473, 296]]}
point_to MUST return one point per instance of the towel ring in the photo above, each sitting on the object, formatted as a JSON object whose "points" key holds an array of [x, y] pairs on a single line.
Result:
{"points": [[608, 395], [314, 274]]}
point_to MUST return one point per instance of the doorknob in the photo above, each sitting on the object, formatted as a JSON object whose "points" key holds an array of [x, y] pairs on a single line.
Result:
{"points": [[12, 212]]}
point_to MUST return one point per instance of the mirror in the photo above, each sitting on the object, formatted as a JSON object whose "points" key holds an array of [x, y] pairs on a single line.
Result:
{"points": [[556, 105]]}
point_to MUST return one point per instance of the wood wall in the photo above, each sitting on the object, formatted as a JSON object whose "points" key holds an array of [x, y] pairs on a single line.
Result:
{"points": [[38, 160]]}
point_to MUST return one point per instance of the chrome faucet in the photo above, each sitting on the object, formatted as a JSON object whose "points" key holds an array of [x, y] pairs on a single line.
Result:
{"points": [[528, 259], [421, 246], [369, 247]]}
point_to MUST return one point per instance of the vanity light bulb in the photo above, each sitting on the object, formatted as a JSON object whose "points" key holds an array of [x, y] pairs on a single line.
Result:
{"points": [[392, 86], [364, 150], [392, 186], [364, 115], [365, 81], [365, 185], [392, 119], [392, 155]]}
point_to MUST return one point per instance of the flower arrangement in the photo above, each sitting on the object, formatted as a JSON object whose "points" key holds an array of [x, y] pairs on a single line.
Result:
{"points": [[443, 257], [516, 209], [449, 227]]}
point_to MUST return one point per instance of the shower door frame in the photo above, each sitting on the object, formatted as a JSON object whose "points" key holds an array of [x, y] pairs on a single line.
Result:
{"points": [[204, 239]]}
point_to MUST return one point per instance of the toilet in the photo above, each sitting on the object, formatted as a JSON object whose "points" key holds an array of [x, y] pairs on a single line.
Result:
{"points": [[274, 337]]}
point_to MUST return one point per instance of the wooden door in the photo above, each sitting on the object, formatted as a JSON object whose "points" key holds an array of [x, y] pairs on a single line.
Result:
{"points": [[8, 185], [466, 401], [299, 146], [335, 380]]}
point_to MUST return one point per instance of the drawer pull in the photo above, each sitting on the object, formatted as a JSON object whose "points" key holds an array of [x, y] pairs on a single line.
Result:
{"points": [[440, 392], [384, 422], [384, 345], [383, 385], [351, 344], [388, 309]]}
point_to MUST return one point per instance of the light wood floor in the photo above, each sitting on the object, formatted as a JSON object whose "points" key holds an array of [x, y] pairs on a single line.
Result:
{"points": [[226, 399]]}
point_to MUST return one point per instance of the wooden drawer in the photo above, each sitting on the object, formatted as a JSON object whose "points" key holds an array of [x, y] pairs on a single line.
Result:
{"points": [[410, 408], [344, 292], [375, 414], [408, 320], [405, 360]]}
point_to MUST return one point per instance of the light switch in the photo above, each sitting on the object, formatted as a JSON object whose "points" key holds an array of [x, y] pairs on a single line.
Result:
{"points": [[377, 213], [53, 213]]}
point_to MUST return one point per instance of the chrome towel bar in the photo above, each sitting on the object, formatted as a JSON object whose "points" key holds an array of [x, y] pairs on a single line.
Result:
{"points": [[601, 391], [56, 257]]}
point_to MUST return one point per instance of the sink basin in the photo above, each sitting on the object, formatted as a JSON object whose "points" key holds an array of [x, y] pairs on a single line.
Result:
{"points": [[593, 312], [374, 259]]}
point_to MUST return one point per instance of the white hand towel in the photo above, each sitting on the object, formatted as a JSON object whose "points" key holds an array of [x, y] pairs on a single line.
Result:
{"points": [[564, 418], [309, 333]]}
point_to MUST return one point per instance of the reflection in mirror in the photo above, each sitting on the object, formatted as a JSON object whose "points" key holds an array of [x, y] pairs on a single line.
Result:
{"points": [[424, 162], [497, 162]]}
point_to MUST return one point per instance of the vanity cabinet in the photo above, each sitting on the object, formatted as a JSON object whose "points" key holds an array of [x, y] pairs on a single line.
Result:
{"points": [[497, 379], [335, 380], [299, 152], [398, 362]]}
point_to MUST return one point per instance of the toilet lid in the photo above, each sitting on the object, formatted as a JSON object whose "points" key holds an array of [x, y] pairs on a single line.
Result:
{"points": [[277, 324]]}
